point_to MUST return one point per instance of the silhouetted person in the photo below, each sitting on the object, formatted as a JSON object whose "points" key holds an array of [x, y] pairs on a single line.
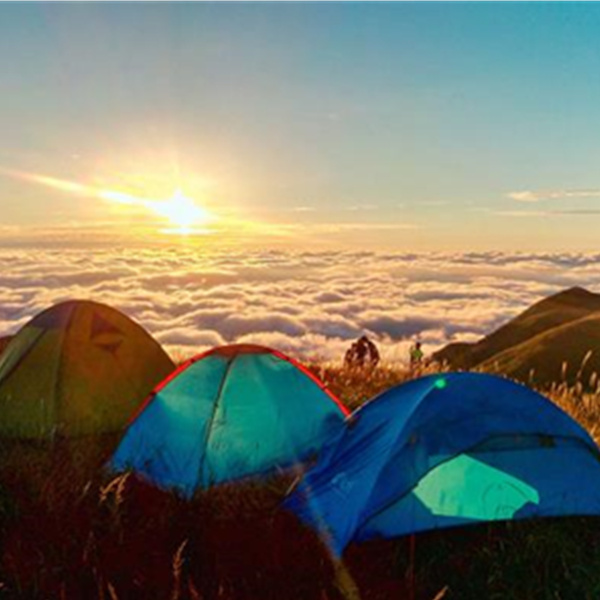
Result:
{"points": [[416, 356], [362, 353]]}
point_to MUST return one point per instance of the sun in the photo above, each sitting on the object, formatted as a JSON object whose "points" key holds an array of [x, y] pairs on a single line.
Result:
{"points": [[182, 212]]}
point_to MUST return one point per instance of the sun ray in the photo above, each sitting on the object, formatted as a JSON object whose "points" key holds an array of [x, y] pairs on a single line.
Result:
{"points": [[183, 215]]}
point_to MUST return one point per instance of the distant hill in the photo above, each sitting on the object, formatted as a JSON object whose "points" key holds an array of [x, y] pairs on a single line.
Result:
{"points": [[541, 358], [560, 328]]}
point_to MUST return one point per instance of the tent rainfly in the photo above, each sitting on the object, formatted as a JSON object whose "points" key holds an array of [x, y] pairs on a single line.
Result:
{"points": [[233, 412], [77, 368], [448, 450]]}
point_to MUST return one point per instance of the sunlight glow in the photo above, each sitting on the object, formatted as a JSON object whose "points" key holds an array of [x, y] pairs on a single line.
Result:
{"points": [[184, 215], [182, 212]]}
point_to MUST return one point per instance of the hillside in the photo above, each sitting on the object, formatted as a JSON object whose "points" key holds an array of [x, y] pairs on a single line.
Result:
{"points": [[539, 361], [129, 540], [560, 328], [4, 341]]}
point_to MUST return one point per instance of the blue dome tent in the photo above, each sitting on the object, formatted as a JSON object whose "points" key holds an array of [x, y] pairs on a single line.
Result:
{"points": [[233, 412], [448, 450]]}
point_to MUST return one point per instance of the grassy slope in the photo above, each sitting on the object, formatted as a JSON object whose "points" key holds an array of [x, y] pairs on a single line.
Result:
{"points": [[568, 352], [4, 342], [528, 329], [68, 531]]}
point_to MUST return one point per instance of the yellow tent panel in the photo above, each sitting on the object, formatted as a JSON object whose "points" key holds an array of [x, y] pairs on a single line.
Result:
{"points": [[77, 368]]}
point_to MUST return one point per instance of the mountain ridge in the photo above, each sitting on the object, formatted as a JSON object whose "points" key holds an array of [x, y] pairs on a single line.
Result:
{"points": [[532, 347]]}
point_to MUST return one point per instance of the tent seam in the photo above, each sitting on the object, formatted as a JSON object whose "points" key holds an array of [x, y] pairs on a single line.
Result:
{"points": [[59, 371], [212, 418]]}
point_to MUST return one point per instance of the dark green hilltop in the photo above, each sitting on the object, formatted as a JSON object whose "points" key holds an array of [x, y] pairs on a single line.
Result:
{"points": [[556, 339]]}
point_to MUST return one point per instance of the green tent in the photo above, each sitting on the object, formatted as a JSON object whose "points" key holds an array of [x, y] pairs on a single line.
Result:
{"points": [[77, 368]]}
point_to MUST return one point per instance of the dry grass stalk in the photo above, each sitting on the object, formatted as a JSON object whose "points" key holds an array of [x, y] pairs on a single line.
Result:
{"points": [[584, 362], [441, 594], [111, 591], [178, 562], [114, 488]]}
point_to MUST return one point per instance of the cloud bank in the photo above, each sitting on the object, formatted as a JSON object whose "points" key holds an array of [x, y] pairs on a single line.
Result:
{"points": [[306, 304], [540, 195]]}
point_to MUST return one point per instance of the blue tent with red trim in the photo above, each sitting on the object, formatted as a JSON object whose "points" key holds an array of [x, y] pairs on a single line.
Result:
{"points": [[448, 450], [230, 413]]}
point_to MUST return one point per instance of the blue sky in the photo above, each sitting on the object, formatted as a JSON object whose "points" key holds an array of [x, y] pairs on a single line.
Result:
{"points": [[426, 126]]}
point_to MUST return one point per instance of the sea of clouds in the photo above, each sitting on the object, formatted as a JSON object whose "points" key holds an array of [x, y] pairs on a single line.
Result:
{"points": [[308, 304]]}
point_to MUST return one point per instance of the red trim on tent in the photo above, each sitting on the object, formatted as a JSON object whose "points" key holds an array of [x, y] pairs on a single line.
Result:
{"points": [[236, 349], [230, 351]]}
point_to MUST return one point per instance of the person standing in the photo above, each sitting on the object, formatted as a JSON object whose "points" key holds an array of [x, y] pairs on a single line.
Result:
{"points": [[416, 356], [362, 354]]}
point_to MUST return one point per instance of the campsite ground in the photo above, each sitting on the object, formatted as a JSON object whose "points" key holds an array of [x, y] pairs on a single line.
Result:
{"points": [[68, 531]]}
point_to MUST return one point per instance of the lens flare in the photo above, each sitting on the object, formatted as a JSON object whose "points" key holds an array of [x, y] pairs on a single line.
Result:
{"points": [[183, 215]]}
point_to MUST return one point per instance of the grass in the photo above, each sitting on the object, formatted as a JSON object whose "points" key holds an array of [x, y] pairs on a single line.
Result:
{"points": [[67, 530]]}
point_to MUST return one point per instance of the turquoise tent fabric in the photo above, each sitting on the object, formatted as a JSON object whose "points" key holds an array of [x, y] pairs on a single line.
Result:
{"points": [[449, 450], [234, 412]]}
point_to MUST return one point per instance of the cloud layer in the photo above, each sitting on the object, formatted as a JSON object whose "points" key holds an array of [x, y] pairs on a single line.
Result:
{"points": [[540, 195], [306, 304]]}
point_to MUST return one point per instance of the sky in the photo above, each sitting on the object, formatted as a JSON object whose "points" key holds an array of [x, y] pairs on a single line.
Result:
{"points": [[434, 127], [299, 174]]}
